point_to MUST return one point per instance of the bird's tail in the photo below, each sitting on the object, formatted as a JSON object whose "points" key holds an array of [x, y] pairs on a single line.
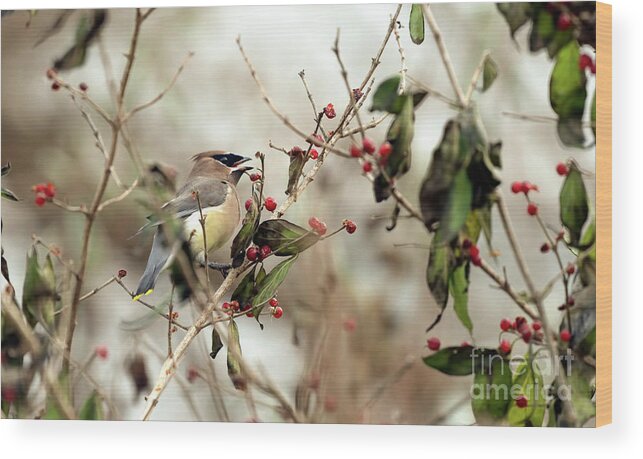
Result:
{"points": [[155, 263]]}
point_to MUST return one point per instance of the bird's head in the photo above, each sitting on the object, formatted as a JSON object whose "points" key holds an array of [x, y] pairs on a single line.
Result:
{"points": [[221, 164]]}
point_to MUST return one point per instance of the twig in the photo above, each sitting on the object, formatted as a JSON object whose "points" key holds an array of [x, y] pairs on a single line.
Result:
{"points": [[68, 207], [120, 197], [403, 68], [434, 92], [370, 125], [160, 95], [476, 77], [536, 118], [99, 139], [170, 324], [97, 289], [504, 285], [444, 54], [390, 380], [568, 409], [151, 307], [352, 104]]}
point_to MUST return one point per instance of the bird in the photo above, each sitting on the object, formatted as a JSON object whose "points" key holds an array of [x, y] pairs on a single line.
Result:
{"points": [[213, 179]]}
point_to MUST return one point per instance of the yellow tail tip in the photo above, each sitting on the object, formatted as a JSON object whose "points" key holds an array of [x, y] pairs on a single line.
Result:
{"points": [[139, 296]]}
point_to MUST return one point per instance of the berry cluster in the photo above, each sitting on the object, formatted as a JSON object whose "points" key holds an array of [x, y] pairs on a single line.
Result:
{"points": [[254, 253], [44, 192], [233, 307], [317, 225], [369, 148], [521, 327], [526, 187]]}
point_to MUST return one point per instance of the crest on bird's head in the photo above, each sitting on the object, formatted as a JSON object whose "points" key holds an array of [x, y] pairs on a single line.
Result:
{"points": [[227, 158]]}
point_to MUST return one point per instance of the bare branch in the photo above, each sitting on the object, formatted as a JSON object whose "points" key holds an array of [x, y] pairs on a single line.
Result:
{"points": [[403, 68], [160, 95], [476, 76], [120, 197], [444, 54]]}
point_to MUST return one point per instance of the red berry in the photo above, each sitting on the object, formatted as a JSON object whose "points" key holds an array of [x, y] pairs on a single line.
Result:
{"points": [[367, 167], [274, 302], [250, 313], [526, 334], [83, 87], [516, 187], [329, 111], [544, 248], [55, 86], [255, 176], [50, 190], [565, 336], [532, 209], [536, 325], [570, 269], [314, 154], [122, 273], [433, 343], [51, 73], [465, 344], [476, 261], [225, 306], [318, 226], [474, 251], [528, 186], [593, 68], [356, 151], [562, 169], [505, 324], [350, 226], [522, 402], [252, 253], [505, 347], [40, 200], [264, 251], [369, 146], [350, 325], [277, 312], [192, 374], [564, 21], [248, 204], [234, 305], [571, 301], [385, 149], [101, 352], [270, 204]]}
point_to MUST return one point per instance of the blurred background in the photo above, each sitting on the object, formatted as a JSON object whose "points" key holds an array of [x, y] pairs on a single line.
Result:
{"points": [[365, 279]]}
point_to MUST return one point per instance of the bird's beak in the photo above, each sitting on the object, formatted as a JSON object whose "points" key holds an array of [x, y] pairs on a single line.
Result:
{"points": [[241, 161]]}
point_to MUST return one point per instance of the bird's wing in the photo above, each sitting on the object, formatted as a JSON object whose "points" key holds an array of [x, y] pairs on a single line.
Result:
{"points": [[212, 193]]}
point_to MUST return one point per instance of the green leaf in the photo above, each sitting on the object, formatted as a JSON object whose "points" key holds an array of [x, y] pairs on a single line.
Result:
{"points": [[416, 24], [246, 289], [284, 238], [558, 41], [459, 288], [386, 97], [515, 13], [217, 344], [529, 380], [8, 194], [542, 30], [458, 206], [400, 136], [491, 391], [295, 169], [438, 271], [269, 285], [571, 132], [233, 363], [489, 73], [92, 409], [39, 291], [574, 207], [246, 233], [567, 92], [454, 361], [582, 391]]}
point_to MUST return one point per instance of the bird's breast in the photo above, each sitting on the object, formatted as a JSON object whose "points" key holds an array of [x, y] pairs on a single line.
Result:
{"points": [[220, 224]]}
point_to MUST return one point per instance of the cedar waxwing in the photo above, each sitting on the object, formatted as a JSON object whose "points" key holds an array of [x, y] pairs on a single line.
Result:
{"points": [[214, 177]]}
